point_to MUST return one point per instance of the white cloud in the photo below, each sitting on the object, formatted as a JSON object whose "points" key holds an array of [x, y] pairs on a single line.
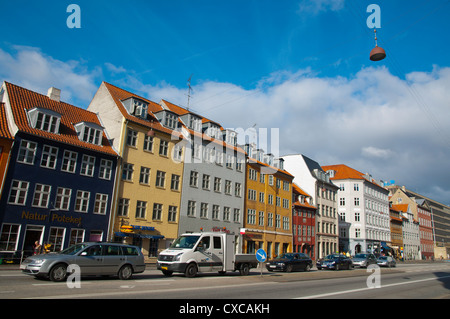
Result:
{"points": [[34, 70], [373, 121], [316, 6]]}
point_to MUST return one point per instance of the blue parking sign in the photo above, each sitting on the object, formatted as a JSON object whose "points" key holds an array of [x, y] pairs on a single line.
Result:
{"points": [[261, 255]]}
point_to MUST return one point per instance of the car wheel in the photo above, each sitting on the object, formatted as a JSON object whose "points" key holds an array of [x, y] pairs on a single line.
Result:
{"points": [[58, 273], [126, 272], [289, 268], [245, 270], [191, 270]]}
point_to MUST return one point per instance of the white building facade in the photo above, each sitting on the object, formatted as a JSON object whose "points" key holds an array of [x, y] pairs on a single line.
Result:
{"points": [[363, 208]]}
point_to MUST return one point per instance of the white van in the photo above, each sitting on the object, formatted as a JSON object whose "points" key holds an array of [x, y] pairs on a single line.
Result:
{"points": [[204, 252]]}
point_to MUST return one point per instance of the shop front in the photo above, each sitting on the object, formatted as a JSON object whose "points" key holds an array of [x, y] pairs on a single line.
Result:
{"points": [[145, 237]]}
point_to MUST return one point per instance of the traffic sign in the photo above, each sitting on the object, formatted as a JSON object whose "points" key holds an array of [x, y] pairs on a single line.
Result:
{"points": [[261, 255]]}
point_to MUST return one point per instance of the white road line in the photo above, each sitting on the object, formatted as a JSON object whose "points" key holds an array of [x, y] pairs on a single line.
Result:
{"points": [[364, 289]]}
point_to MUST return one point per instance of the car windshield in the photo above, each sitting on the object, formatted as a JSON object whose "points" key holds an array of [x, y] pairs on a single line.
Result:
{"points": [[184, 242], [382, 258], [72, 250], [361, 255], [285, 256], [331, 257]]}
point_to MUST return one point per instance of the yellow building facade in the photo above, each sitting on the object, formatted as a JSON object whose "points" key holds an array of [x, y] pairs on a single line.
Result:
{"points": [[149, 177], [268, 205]]}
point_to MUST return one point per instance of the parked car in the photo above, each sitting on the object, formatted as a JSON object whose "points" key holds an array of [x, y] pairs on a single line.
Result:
{"points": [[386, 261], [92, 258], [289, 262], [335, 261], [364, 260]]}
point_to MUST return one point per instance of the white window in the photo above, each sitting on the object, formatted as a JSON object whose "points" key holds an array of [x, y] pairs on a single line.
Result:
{"points": [[193, 181], [163, 148], [226, 214], [63, 198], [160, 178], [87, 165], [127, 172], [82, 201], [105, 170], [251, 216], [18, 192], [286, 223], [204, 210], [56, 238], [132, 138], [141, 209], [172, 216], [144, 177], [41, 195], [27, 152], [69, 163], [91, 135], [49, 156], [101, 203], [124, 205], [148, 143], [191, 208]]}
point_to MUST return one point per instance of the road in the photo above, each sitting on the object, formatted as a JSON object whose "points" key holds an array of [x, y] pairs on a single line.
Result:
{"points": [[407, 281]]}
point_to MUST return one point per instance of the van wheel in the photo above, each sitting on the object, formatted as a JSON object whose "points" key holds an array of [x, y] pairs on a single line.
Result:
{"points": [[58, 273], [191, 270], [244, 270], [126, 272]]}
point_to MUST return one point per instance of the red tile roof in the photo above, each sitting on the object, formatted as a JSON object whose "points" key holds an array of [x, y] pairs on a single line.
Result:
{"points": [[22, 100], [343, 172], [119, 95], [4, 129]]}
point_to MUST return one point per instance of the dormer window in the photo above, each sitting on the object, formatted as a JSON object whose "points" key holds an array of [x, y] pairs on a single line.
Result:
{"points": [[195, 123], [168, 119], [89, 132], [213, 131], [44, 119], [136, 107], [230, 137]]}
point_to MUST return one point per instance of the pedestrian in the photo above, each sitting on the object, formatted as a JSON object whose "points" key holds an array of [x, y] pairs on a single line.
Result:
{"points": [[37, 248]]}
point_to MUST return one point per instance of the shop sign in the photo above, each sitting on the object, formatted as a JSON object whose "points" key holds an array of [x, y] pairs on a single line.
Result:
{"points": [[51, 217]]}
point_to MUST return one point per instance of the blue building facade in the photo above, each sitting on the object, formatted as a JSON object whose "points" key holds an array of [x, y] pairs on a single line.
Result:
{"points": [[59, 186]]}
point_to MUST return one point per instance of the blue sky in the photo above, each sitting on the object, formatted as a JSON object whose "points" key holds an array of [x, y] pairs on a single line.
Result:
{"points": [[300, 66]]}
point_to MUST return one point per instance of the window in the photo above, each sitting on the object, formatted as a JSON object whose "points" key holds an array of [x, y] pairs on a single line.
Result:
{"points": [[193, 181], [285, 186], [56, 238], [237, 215], [9, 237], [148, 143], [237, 189], [63, 198], [251, 216], [215, 212], [177, 153], [157, 211], [41, 195], [357, 233], [122, 209], [27, 152], [18, 192], [170, 120], [163, 148], [342, 201], [141, 209], [252, 174], [76, 236], [204, 210], [227, 187], [105, 169], [226, 214], [251, 194], [261, 218], [277, 221], [270, 199], [127, 172], [69, 163], [191, 208], [49, 156], [87, 165], [286, 223], [101, 203], [172, 217], [205, 181], [175, 182], [270, 219], [217, 184], [261, 197], [144, 177], [82, 201], [89, 132], [47, 122], [160, 179], [271, 180], [357, 217], [132, 138], [356, 201]]}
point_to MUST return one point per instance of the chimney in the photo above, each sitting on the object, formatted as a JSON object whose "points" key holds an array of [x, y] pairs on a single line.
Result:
{"points": [[54, 94]]}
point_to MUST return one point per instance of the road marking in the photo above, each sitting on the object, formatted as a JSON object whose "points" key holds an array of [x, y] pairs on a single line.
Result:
{"points": [[366, 288], [133, 292]]}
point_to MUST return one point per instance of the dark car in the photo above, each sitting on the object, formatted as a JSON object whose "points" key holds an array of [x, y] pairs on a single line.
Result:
{"points": [[364, 260], [289, 262], [335, 261]]}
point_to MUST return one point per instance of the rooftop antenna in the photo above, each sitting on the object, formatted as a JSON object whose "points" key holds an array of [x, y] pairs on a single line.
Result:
{"points": [[189, 91]]}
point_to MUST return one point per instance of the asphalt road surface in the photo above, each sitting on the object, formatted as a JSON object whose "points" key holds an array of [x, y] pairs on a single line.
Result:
{"points": [[406, 281]]}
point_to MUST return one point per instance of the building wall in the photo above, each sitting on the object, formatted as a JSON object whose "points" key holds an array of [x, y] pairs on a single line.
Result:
{"points": [[45, 218], [261, 231]]}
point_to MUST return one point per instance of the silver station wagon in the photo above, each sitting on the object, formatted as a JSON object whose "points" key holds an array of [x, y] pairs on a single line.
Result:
{"points": [[93, 259]]}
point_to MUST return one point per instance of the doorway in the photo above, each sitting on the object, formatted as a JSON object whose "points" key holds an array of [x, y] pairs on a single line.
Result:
{"points": [[32, 234]]}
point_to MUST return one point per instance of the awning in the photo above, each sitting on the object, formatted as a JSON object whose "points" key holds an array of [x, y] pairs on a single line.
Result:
{"points": [[385, 246], [133, 235]]}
